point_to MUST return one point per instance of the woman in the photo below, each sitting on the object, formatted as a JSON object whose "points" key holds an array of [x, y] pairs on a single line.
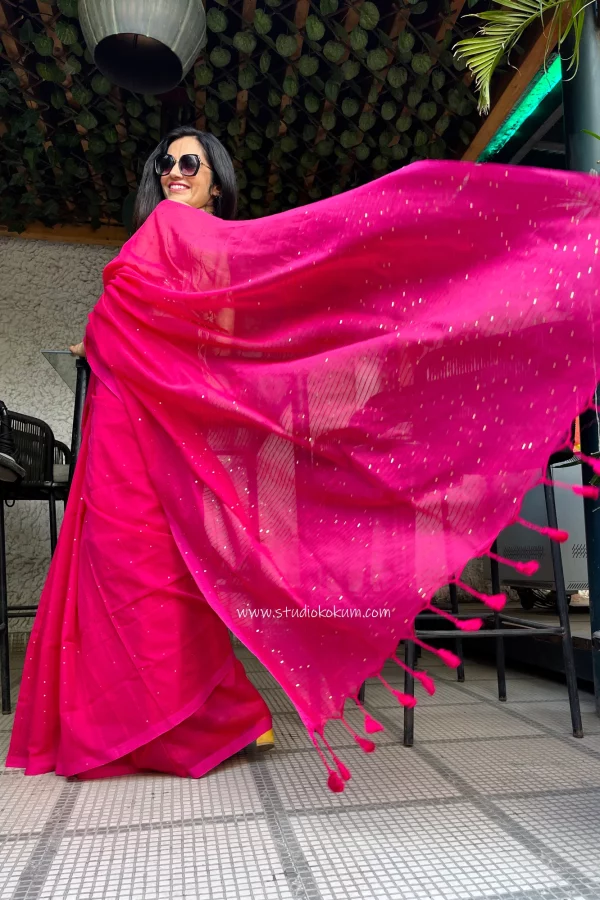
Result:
{"points": [[189, 704], [300, 426]]}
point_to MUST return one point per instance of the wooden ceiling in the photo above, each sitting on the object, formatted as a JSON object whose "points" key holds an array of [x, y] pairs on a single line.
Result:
{"points": [[311, 98]]}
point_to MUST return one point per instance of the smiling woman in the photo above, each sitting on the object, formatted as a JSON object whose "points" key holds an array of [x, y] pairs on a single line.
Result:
{"points": [[191, 167]]}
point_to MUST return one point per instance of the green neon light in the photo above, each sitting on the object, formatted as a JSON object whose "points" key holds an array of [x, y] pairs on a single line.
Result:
{"points": [[544, 82]]}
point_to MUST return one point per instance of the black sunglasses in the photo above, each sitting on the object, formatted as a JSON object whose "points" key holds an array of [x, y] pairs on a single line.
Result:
{"points": [[189, 164]]}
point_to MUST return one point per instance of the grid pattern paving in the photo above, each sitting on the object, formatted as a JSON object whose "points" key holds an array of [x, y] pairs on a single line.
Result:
{"points": [[496, 801]]}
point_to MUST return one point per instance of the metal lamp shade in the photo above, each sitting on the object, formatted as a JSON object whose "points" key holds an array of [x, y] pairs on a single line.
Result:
{"points": [[146, 46]]}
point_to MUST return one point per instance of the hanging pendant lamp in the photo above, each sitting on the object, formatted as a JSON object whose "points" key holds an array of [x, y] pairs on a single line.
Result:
{"points": [[146, 46]]}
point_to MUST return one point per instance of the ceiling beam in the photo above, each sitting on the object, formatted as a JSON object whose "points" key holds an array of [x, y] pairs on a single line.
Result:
{"points": [[513, 90]]}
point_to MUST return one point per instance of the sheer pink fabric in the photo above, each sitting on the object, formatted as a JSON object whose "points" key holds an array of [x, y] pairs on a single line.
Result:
{"points": [[337, 407]]}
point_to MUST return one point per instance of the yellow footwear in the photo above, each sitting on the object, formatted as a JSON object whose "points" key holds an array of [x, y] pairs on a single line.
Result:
{"points": [[264, 742]]}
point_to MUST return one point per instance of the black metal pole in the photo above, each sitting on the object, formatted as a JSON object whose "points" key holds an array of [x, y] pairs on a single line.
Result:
{"points": [[581, 100], [500, 655], [83, 375], [460, 672]]}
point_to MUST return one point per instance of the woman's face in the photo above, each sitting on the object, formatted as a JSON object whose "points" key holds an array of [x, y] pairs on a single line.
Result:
{"points": [[192, 190]]}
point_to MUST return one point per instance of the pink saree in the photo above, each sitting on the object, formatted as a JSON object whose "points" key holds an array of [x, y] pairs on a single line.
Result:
{"points": [[299, 428]]}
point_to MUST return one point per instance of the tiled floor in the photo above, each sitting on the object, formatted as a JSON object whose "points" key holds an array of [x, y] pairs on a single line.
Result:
{"points": [[495, 800]]}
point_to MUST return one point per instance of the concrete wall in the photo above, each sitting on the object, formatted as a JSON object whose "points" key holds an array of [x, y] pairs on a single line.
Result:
{"points": [[46, 292]]}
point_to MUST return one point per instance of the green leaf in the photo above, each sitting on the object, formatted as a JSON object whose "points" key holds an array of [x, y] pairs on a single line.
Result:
{"points": [[362, 152], [211, 108], [290, 114], [397, 76], [66, 32], [26, 32], [308, 65], [136, 128], [325, 147], [377, 59], [151, 100], [289, 143], [350, 106], [350, 69], [369, 15], [111, 112], [332, 90], [153, 120], [328, 120], [273, 98], [265, 62], [220, 57], [442, 124], [272, 129], [388, 110], [86, 119], [438, 79], [244, 42], [421, 63], [254, 140], [227, 91], [406, 41], [286, 44], [247, 78], [96, 144], [591, 133], [380, 163], [44, 45], [134, 108], [234, 127], [309, 133], [77, 49], [101, 85], [81, 95], [290, 85], [419, 8], [315, 29], [50, 72], [58, 99], [216, 21], [427, 111], [333, 51], [262, 22], [404, 123], [373, 95], [72, 66], [420, 138], [312, 103], [328, 7], [367, 121], [358, 38], [68, 7], [203, 75], [414, 98], [349, 139]]}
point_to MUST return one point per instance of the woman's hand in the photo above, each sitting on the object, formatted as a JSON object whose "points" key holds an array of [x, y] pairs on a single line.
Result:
{"points": [[78, 349]]}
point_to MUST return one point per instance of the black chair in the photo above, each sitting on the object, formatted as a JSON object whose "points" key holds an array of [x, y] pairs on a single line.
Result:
{"points": [[47, 463]]}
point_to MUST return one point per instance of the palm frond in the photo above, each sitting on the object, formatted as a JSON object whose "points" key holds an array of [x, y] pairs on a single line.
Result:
{"points": [[503, 28]]}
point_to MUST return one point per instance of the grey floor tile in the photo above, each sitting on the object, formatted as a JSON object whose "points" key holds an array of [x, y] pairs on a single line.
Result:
{"points": [[522, 688], [390, 775], [236, 861], [27, 803], [446, 694], [520, 764], [556, 715], [567, 825], [161, 799], [468, 722], [14, 857], [425, 853]]}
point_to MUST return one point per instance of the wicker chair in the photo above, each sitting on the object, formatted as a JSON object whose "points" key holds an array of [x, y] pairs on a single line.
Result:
{"points": [[46, 463]]}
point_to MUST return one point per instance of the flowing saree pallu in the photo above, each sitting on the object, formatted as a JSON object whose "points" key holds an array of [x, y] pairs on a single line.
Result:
{"points": [[341, 405]]}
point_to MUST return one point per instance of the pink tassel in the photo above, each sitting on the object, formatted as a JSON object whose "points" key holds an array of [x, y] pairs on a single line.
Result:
{"points": [[343, 770], [448, 658], [363, 743], [525, 568], [582, 490], [494, 601], [335, 783], [422, 677], [555, 534], [403, 699], [593, 463], [586, 490], [461, 624], [372, 725]]}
